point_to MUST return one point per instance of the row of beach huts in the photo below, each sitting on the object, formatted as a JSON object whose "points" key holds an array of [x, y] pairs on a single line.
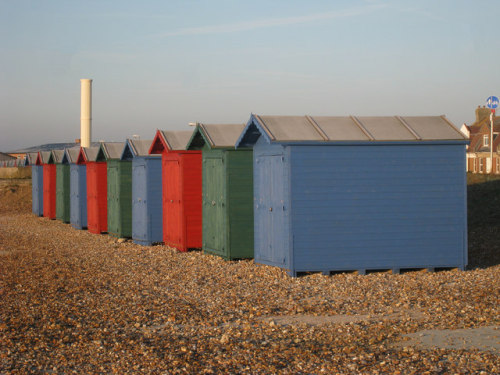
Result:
{"points": [[307, 194]]}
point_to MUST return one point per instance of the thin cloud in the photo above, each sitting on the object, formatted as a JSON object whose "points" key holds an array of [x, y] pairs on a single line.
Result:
{"points": [[271, 22]]}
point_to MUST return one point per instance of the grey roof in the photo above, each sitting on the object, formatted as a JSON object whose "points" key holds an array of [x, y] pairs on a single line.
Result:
{"points": [[176, 139], [140, 147], [90, 152], [112, 150], [44, 156], [31, 156], [222, 135], [57, 156], [72, 154], [330, 128]]}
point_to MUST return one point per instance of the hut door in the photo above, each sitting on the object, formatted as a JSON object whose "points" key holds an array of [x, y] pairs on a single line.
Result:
{"points": [[139, 208], [113, 199], [271, 208], [74, 196], [214, 230], [172, 202]]}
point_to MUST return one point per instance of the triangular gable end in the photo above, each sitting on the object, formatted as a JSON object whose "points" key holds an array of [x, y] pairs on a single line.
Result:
{"points": [[158, 145], [198, 139], [128, 151], [251, 133], [65, 158], [101, 155], [38, 159], [81, 159]]}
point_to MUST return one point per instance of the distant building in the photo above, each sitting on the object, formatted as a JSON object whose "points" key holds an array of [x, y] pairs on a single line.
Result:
{"points": [[478, 151]]}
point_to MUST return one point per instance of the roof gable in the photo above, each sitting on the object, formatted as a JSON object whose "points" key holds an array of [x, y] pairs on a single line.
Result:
{"points": [[43, 157], [135, 147], [169, 140], [110, 151], [215, 136], [87, 154], [71, 155], [284, 129]]}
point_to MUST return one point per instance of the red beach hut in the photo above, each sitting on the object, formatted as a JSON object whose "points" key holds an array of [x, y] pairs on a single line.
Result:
{"points": [[181, 189], [97, 190], [49, 184]]}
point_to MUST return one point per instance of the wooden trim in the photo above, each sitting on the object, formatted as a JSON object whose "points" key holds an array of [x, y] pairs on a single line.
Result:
{"points": [[409, 128], [318, 128], [266, 129], [362, 127]]}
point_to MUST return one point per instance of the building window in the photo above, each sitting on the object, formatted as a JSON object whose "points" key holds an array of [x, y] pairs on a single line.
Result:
{"points": [[481, 165], [497, 164], [485, 140], [474, 165]]}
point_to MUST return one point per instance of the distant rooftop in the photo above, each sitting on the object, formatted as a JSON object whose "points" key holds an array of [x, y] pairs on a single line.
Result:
{"points": [[48, 147]]}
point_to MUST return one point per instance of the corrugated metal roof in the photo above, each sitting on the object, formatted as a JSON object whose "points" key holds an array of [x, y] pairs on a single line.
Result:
{"points": [[176, 139], [222, 135], [383, 128]]}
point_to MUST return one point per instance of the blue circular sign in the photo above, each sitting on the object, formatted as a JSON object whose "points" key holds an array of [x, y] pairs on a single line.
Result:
{"points": [[492, 102]]}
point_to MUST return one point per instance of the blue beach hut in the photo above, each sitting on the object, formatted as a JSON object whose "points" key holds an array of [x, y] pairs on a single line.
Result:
{"points": [[77, 188], [358, 193], [147, 215], [36, 184]]}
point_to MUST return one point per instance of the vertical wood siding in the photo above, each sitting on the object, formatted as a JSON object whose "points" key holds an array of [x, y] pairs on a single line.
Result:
{"points": [[271, 205], [181, 181], [78, 196], [49, 191], [119, 198], [63, 192], [147, 219], [37, 189], [97, 197], [227, 203]]}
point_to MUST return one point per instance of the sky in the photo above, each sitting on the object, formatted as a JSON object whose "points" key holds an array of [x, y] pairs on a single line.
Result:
{"points": [[162, 64]]}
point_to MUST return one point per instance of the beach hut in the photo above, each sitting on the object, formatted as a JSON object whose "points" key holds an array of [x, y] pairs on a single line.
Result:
{"points": [[49, 184], [62, 185], [146, 192], [358, 193], [97, 191], [119, 186], [227, 206], [77, 188], [181, 189], [36, 184]]}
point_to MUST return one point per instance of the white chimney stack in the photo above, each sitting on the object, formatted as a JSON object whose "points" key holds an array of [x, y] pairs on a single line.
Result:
{"points": [[86, 113]]}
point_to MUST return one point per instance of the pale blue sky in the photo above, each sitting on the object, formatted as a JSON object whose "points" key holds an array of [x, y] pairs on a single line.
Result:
{"points": [[162, 64]]}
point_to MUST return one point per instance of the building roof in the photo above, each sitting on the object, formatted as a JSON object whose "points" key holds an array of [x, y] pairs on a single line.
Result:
{"points": [[168, 140], [87, 154], [56, 156], [215, 135], [71, 155], [110, 151], [43, 157], [135, 147], [351, 128]]}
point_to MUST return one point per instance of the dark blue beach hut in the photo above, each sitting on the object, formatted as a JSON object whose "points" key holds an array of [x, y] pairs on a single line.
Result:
{"points": [[77, 188], [36, 184], [358, 193], [147, 223]]}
